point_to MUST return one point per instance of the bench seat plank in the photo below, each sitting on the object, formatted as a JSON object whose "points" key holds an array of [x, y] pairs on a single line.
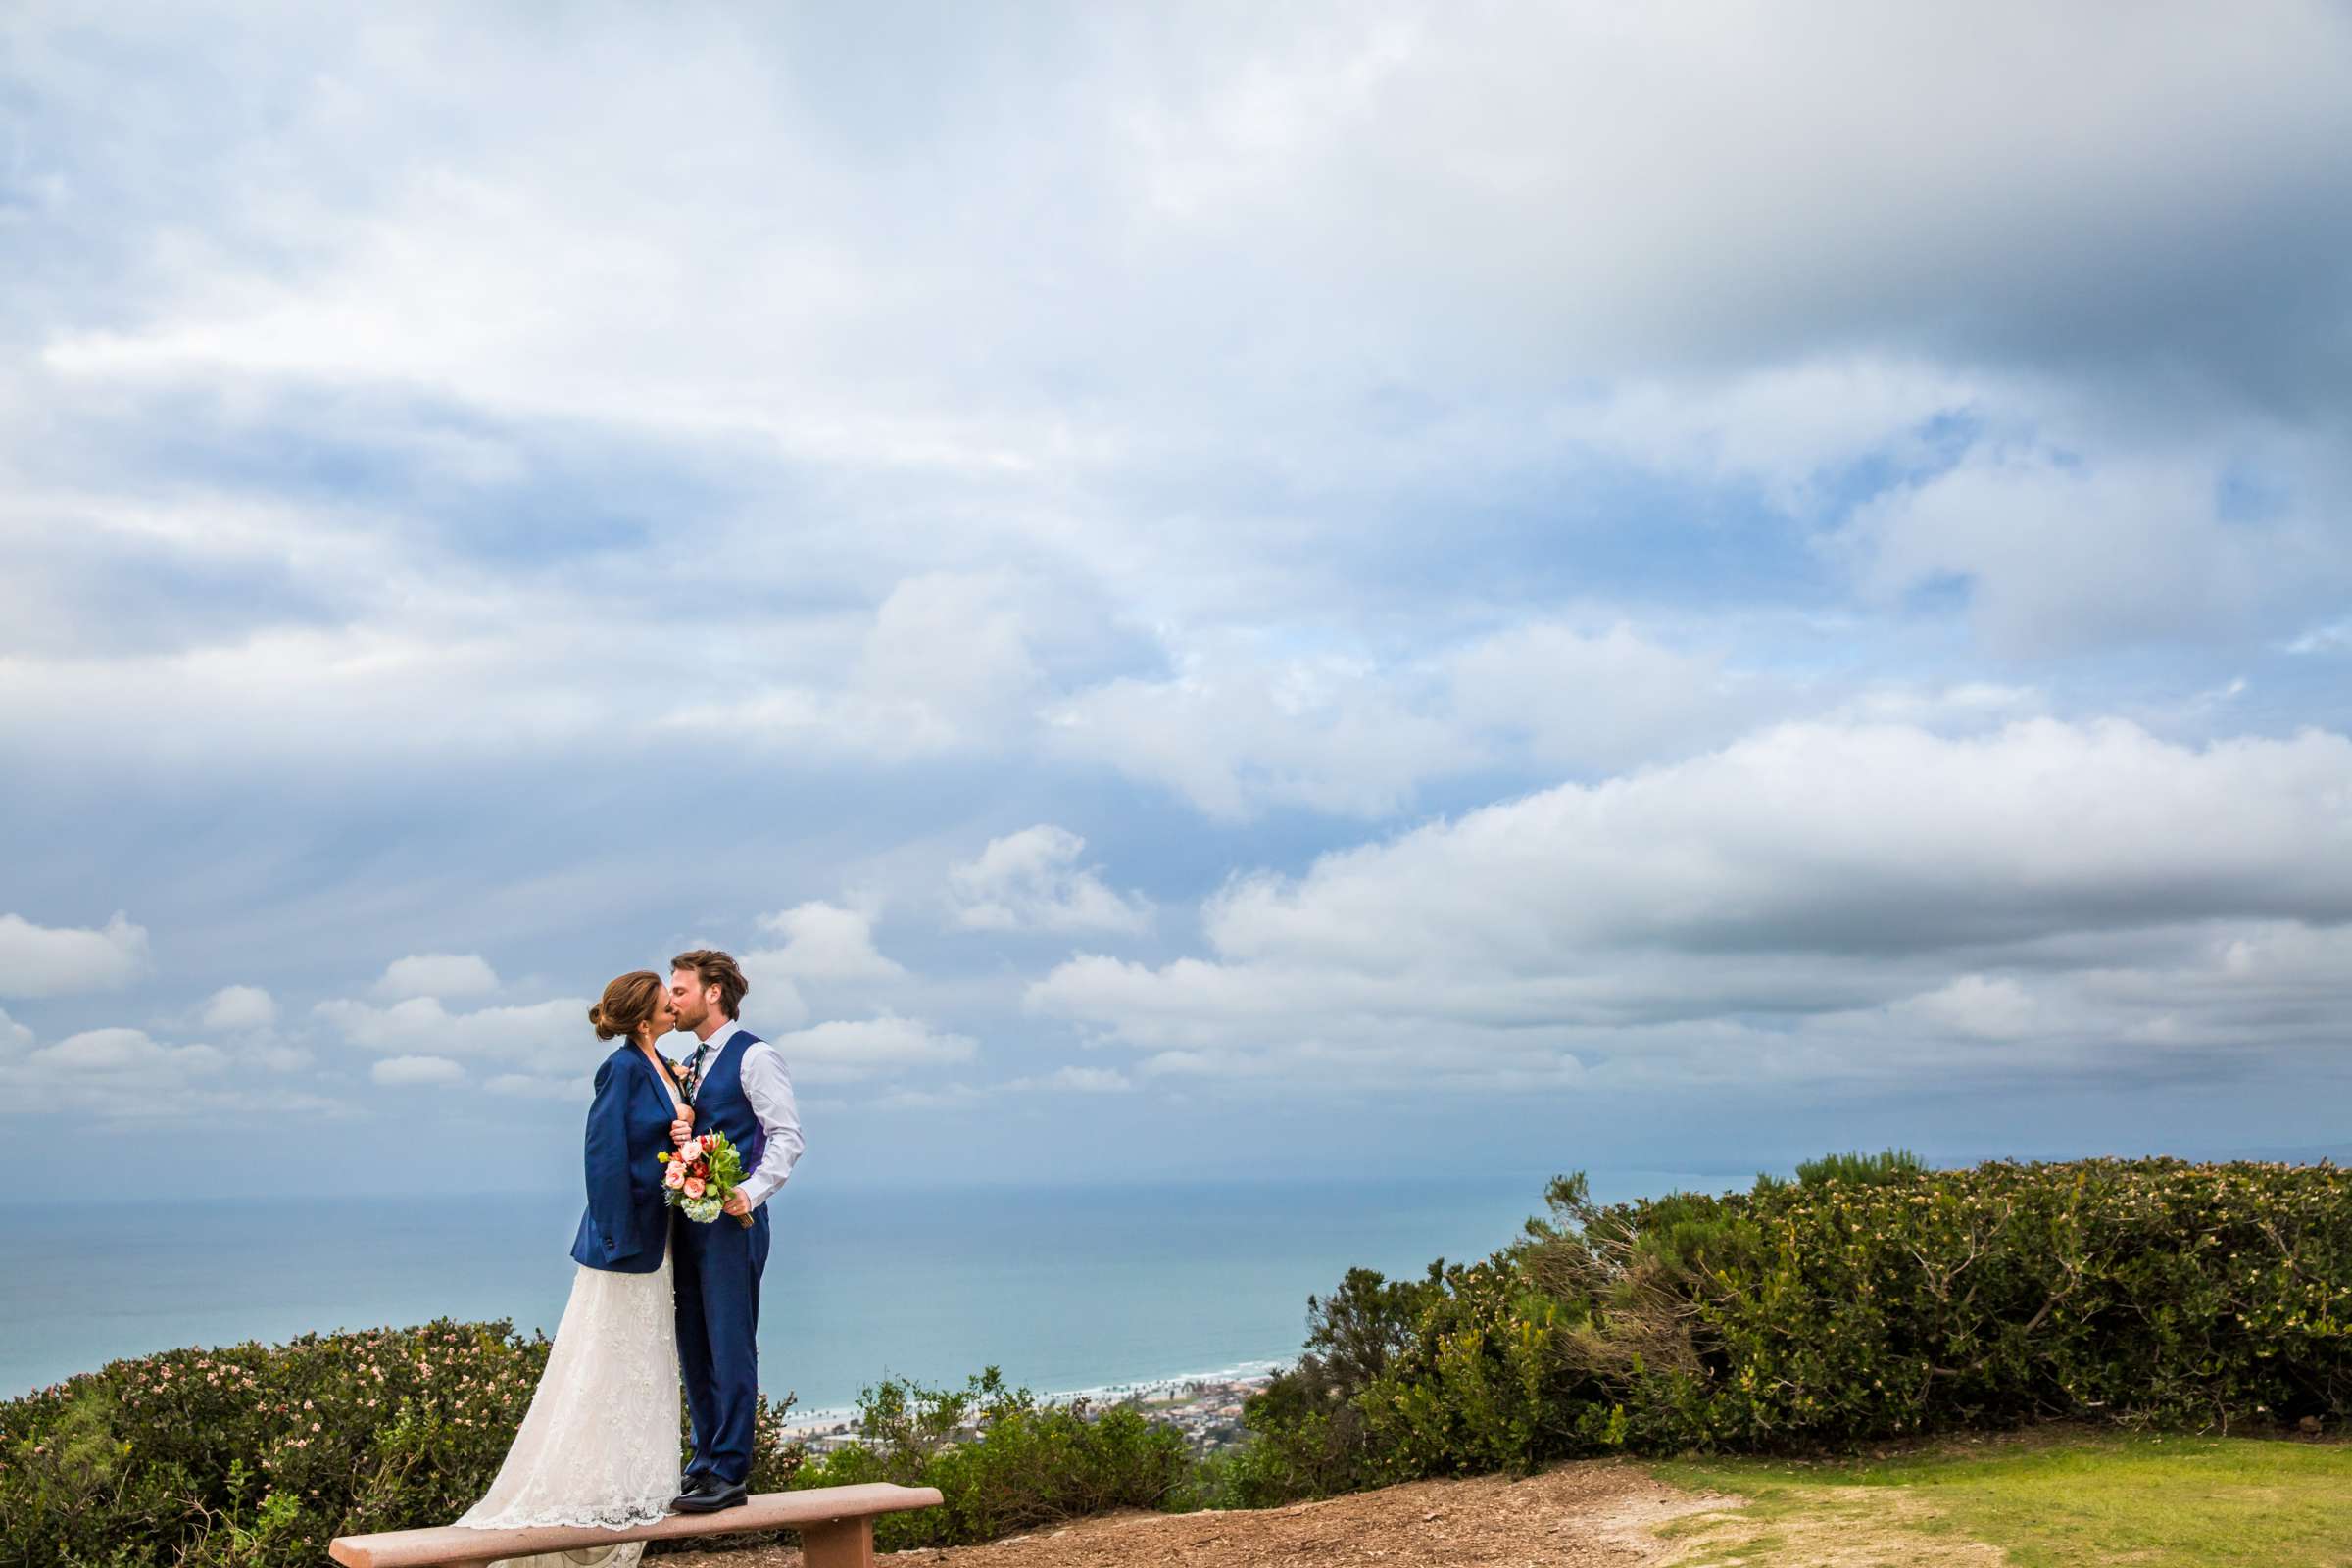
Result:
{"points": [[766, 1510]]}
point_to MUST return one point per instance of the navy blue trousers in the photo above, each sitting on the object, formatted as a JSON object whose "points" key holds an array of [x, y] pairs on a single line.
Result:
{"points": [[717, 1278]]}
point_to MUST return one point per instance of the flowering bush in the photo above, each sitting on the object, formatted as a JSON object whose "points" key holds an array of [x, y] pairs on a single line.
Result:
{"points": [[261, 1455]]}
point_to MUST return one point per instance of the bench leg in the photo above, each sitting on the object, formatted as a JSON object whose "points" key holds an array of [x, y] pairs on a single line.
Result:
{"points": [[841, 1544]]}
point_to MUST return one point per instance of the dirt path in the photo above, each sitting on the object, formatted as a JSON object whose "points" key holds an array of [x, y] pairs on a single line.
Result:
{"points": [[1583, 1515]]}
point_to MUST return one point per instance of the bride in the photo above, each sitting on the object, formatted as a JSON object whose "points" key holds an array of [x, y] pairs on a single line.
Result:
{"points": [[600, 1444]]}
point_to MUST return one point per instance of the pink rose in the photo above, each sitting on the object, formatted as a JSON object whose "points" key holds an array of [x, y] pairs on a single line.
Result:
{"points": [[676, 1176], [694, 1187]]}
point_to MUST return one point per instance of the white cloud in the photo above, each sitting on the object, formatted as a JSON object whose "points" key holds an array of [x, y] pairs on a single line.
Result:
{"points": [[524, 1086], [845, 1050], [1966, 706], [942, 666], [946, 1096], [436, 974], [2333, 638], [120, 1073], [1909, 267], [67, 960], [1234, 732], [1843, 838], [774, 1001], [1871, 188], [544, 1037], [1071, 1079], [274, 1056], [1575, 700], [401, 1071], [1031, 881], [1997, 1008], [1783, 427], [122, 1052], [823, 941], [949, 655], [1086, 1080], [2060, 554], [239, 1009], [1387, 187], [1987, 890], [1241, 729]]}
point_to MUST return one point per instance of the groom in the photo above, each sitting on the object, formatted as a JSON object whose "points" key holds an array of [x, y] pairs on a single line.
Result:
{"points": [[737, 1085]]}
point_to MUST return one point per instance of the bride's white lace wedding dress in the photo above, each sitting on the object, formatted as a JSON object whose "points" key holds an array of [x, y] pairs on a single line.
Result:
{"points": [[600, 1442]]}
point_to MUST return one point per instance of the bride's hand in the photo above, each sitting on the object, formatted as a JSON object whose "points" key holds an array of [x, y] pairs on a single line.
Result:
{"points": [[683, 1128]]}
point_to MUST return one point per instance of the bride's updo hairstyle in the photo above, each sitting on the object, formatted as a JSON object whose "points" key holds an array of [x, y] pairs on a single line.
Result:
{"points": [[628, 1002]]}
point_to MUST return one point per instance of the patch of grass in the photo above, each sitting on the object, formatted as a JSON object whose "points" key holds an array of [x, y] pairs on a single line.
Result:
{"points": [[2073, 1500]]}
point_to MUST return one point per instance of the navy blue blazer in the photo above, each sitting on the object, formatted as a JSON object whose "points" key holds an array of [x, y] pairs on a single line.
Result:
{"points": [[626, 1227]]}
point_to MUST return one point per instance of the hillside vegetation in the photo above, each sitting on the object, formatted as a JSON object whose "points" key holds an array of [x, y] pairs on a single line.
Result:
{"points": [[1869, 1299]]}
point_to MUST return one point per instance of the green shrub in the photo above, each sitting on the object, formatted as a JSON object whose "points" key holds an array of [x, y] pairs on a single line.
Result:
{"points": [[2144, 1291], [1871, 1297], [1312, 1437], [1002, 1461], [259, 1456], [1859, 1169]]}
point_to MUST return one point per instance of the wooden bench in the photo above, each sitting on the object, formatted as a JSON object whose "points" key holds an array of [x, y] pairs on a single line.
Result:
{"points": [[836, 1526]]}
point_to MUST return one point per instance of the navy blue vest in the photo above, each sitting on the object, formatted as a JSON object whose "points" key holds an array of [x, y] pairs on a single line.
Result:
{"points": [[721, 1107]]}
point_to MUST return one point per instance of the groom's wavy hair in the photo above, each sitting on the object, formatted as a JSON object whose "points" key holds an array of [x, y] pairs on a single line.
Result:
{"points": [[718, 970]]}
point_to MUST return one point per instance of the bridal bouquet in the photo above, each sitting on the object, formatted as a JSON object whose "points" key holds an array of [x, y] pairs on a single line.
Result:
{"points": [[700, 1175]]}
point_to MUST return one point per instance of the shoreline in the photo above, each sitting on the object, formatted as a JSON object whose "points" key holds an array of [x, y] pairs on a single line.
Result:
{"points": [[1205, 1407]]}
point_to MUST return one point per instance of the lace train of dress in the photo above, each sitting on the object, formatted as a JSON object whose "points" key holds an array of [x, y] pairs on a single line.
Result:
{"points": [[600, 1444]]}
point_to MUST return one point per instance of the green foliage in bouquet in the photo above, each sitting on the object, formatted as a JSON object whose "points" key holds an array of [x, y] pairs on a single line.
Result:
{"points": [[260, 1454], [1003, 1461]]}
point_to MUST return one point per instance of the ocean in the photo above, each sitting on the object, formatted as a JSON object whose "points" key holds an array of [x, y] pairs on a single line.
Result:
{"points": [[1065, 1288]]}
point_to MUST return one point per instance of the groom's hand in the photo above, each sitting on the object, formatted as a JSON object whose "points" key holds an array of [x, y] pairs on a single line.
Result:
{"points": [[737, 1204]]}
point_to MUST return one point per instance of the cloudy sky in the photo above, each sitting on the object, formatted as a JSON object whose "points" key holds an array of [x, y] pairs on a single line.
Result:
{"points": [[1207, 590]]}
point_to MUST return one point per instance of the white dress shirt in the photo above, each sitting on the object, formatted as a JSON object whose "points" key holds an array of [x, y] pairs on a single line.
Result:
{"points": [[768, 1087]]}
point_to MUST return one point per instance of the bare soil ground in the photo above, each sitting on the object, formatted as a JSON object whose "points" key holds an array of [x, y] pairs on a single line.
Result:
{"points": [[1581, 1516], [1584, 1514]]}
